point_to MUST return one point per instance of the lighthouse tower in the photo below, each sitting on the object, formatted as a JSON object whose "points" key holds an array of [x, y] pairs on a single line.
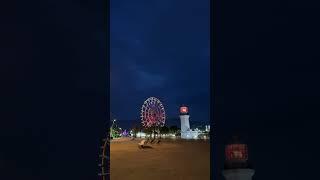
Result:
{"points": [[236, 163], [184, 119]]}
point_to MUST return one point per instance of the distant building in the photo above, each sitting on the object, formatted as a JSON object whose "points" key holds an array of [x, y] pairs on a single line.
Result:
{"points": [[207, 128]]}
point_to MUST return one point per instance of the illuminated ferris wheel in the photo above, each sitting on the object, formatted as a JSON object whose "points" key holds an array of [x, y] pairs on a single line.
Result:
{"points": [[104, 164], [153, 113]]}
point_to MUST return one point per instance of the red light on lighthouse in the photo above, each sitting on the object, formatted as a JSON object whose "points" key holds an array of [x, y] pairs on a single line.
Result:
{"points": [[183, 110], [236, 152]]}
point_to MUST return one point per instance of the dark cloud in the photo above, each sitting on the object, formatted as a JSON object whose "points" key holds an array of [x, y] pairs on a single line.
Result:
{"points": [[160, 48]]}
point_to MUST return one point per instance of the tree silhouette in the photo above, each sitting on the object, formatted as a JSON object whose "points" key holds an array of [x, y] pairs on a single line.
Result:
{"points": [[173, 129], [164, 130]]}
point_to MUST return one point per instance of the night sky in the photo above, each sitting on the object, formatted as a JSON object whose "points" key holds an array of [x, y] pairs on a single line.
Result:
{"points": [[160, 49]]}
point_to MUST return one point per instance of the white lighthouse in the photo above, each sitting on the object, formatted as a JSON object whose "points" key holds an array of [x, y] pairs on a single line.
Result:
{"points": [[186, 132], [184, 119], [236, 164]]}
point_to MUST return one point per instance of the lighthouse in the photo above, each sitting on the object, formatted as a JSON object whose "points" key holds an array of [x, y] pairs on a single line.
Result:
{"points": [[236, 162], [186, 132], [184, 119]]}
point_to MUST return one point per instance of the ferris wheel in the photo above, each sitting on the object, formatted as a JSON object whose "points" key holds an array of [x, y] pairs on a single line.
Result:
{"points": [[153, 113], [104, 157]]}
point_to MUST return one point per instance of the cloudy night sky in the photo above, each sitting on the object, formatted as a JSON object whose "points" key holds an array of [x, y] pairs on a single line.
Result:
{"points": [[160, 49]]}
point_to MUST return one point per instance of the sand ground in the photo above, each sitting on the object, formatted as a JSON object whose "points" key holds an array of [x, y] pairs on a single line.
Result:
{"points": [[169, 160]]}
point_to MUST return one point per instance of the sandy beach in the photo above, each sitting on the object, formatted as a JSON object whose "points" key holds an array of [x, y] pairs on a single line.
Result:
{"points": [[169, 160]]}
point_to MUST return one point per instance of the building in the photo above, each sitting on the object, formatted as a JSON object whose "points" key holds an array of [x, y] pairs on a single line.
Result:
{"points": [[186, 132], [207, 128]]}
